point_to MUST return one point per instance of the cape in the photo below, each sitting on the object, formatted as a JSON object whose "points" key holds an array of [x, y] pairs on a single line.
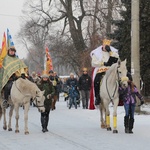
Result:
{"points": [[98, 53], [10, 66]]}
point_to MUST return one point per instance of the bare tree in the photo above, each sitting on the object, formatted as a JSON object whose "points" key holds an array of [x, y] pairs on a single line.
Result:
{"points": [[33, 39], [81, 26]]}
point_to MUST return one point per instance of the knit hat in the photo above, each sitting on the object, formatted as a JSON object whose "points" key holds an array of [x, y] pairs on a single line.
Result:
{"points": [[44, 74], [12, 48]]}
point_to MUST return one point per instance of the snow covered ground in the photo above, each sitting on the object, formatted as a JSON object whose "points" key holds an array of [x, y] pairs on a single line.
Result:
{"points": [[71, 129]]}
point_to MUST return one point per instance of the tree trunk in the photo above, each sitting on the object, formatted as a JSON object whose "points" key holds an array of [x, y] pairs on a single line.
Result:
{"points": [[75, 30], [109, 17]]}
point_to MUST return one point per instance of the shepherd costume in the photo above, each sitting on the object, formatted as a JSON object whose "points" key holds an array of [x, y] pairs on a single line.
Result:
{"points": [[12, 68]]}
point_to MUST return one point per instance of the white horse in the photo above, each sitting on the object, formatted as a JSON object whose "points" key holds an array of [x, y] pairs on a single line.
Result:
{"points": [[22, 92], [115, 76]]}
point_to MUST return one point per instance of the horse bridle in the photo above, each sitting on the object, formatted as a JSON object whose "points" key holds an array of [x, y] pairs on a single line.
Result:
{"points": [[33, 99], [111, 97], [119, 81]]}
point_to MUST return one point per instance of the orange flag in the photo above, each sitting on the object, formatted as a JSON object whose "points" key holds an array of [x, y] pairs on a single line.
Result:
{"points": [[49, 64], [3, 52]]}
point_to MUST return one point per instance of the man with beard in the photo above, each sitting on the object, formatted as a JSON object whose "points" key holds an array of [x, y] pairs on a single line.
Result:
{"points": [[12, 69]]}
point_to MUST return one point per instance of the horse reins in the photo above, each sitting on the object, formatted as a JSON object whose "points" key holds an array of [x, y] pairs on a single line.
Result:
{"points": [[35, 99], [119, 82], [111, 97]]}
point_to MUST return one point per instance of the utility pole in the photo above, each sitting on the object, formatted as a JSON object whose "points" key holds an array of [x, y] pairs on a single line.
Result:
{"points": [[135, 57]]}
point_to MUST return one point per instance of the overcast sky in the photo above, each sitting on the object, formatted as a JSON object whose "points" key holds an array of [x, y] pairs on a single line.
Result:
{"points": [[10, 12]]}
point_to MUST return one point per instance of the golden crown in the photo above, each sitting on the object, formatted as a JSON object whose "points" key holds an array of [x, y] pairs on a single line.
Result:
{"points": [[106, 42]]}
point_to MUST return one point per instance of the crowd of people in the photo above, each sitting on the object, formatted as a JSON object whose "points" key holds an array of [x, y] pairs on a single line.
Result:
{"points": [[76, 88]]}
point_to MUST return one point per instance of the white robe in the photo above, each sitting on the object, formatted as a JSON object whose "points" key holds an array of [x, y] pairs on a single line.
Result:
{"points": [[99, 57]]}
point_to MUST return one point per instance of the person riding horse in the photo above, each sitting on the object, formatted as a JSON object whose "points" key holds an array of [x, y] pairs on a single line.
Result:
{"points": [[12, 68], [102, 58]]}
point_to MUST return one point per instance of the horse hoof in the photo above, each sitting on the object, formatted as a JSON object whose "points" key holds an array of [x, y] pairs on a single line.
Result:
{"points": [[115, 131], [10, 129], [5, 128], [16, 131], [109, 129], [27, 132]]}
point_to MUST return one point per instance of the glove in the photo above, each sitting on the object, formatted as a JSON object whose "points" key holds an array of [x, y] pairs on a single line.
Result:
{"points": [[105, 64], [23, 76], [107, 48], [49, 96], [142, 102]]}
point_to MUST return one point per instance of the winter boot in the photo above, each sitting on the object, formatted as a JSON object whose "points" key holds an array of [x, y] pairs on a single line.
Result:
{"points": [[43, 122], [97, 100], [126, 124], [131, 123], [47, 120]]}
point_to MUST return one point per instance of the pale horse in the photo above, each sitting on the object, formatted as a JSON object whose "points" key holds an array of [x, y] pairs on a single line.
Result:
{"points": [[22, 92], [115, 76]]}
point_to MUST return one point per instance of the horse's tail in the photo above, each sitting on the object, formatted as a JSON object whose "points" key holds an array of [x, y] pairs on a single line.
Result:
{"points": [[0, 112]]}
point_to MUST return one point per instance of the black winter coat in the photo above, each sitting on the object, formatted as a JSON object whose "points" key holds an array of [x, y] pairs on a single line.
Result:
{"points": [[85, 82]]}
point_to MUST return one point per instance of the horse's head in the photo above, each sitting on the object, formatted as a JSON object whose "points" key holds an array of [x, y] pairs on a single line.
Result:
{"points": [[122, 73], [39, 101]]}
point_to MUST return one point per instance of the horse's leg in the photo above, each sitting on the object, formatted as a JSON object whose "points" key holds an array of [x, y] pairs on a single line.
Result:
{"points": [[17, 117], [115, 117], [10, 116], [4, 119], [26, 109], [107, 115], [103, 123]]}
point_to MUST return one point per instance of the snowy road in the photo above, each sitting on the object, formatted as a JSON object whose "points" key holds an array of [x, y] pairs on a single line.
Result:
{"points": [[75, 130]]}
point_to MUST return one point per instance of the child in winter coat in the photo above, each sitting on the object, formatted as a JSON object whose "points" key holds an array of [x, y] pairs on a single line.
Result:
{"points": [[72, 84], [129, 99], [46, 85]]}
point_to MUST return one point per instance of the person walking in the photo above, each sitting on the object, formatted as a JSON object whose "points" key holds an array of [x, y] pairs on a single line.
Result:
{"points": [[84, 85], [47, 86], [35, 78], [129, 100], [73, 94], [58, 85], [55, 81]]}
